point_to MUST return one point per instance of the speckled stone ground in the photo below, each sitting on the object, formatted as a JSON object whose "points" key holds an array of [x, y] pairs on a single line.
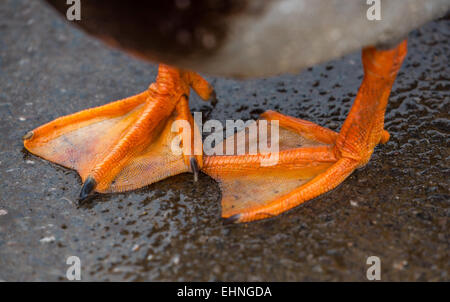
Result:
{"points": [[396, 208]]}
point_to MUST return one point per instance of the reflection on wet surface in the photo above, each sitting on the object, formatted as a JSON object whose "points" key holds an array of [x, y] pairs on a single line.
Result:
{"points": [[395, 208]]}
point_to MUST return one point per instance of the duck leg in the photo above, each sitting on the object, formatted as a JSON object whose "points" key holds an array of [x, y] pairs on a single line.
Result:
{"points": [[312, 160], [127, 144]]}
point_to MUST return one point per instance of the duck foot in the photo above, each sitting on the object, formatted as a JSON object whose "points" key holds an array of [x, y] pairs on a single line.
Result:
{"points": [[312, 160], [127, 144]]}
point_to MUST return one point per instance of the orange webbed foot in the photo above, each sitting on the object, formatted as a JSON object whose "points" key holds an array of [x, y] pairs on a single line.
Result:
{"points": [[256, 186], [129, 143], [311, 160]]}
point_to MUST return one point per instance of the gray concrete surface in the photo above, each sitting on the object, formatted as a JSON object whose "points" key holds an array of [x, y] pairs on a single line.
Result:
{"points": [[396, 208]]}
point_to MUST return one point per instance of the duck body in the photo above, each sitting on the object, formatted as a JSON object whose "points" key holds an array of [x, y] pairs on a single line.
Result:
{"points": [[248, 38]]}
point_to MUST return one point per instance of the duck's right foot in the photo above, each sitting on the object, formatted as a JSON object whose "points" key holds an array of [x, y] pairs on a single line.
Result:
{"points": [[127, 144]]}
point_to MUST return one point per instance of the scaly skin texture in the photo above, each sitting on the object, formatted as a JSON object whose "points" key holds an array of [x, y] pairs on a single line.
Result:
{"points": [[346, 151], [119, 146]]}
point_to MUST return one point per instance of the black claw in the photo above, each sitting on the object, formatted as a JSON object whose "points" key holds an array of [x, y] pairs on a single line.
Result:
{"points": [[194, 168], [28, 135], [213, 98], [86, 190], [232, 219]]}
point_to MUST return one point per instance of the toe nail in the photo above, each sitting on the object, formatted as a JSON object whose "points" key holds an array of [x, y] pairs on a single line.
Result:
{"points": [[28, 135], [232, 219], [213, 98], [194, 167], [86, 190]]}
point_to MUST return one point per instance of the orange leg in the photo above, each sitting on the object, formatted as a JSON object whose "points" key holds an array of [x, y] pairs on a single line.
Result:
{"points": [[251, 191], [126, 144]]}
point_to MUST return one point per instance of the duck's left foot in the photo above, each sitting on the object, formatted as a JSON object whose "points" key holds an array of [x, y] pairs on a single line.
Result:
{"points": [[129, 143], [312, 160]]}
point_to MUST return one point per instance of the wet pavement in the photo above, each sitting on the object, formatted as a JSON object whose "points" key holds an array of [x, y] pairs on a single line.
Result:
{"points": [[396, 208]]}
